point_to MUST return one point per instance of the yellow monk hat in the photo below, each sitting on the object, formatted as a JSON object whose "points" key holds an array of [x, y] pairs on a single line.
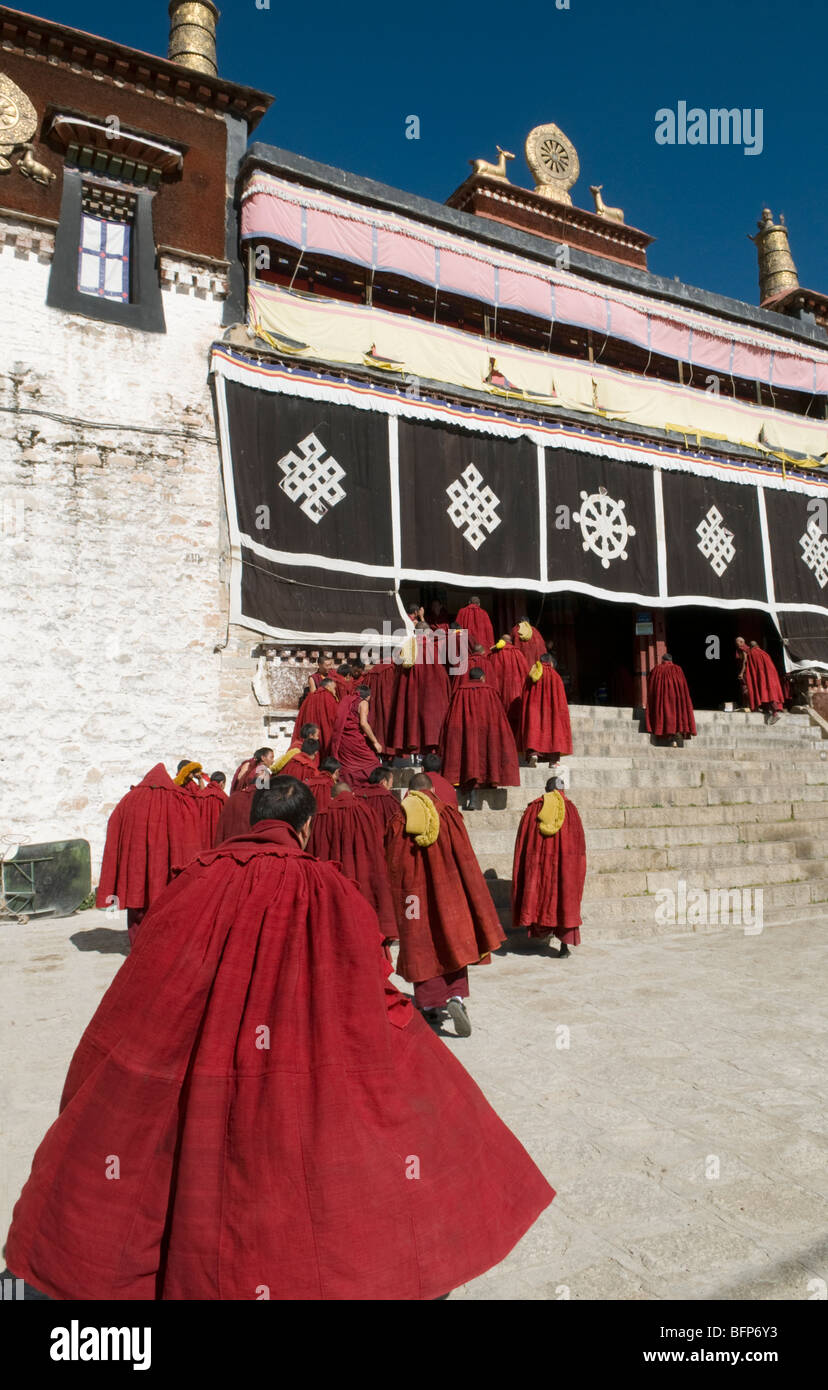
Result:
{"points": [[552, 813], [524, 631], [536, 671], [187, 771], [284, 760], [422, 819]]}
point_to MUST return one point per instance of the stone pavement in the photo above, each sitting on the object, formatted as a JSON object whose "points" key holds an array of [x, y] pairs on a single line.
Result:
{"points": [[672, 1090]]}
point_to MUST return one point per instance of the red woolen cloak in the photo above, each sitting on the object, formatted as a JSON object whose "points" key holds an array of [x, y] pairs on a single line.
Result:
{"points": [[507, 675], [443, 789], [544, 715], [548, 873], [762, 679], [155, 828], [421, 699], [532, 649], [320, 707], [346, 832], [349, 744], [669, 707], [381, 682], [382, 804], [457, 923], [235, 817], [477, 743], [264, 1087], [478, 625]]}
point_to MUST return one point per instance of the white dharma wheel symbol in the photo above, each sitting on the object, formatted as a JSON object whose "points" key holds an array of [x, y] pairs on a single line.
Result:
{"points": [[604, 527]]}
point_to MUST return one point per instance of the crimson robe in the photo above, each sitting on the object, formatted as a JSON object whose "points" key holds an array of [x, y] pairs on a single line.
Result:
{"points": [[346, 832], [349, 744], [235, 817], [669, 707], [443, 789], [211, 801], [343, 683], [507, 674], [302, 766], [155, 828], [264, 1086], [381, 682], [544, 715], [421, 699], [320, 707], [382, 803], [477, 744], [478, 625], [548, 875], [762, 680], [455, 923], [532, 649]]}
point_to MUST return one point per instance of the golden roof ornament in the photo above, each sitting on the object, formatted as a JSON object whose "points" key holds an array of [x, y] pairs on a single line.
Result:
{"points": [[777, 271], [601, 209], [493, 171], [193, 35], [553, 160], [18, 120]]}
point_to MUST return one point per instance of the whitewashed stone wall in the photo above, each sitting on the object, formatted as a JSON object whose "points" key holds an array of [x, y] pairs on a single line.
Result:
{"points": [[113, 558]]}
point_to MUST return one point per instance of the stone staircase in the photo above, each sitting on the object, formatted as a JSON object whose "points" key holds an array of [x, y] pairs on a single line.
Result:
{"points": [[741, 807]]}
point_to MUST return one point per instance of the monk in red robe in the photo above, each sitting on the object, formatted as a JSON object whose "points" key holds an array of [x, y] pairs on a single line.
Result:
{"points": [[346, 832], [155, 828], [235, 816], [545, 730], [381, 680], [669, 707], [528, 641], [211, 801], [327, 671], [507, 674], [549, 869], [421, 696], [301, 762], [247, 772], [319, 707], [353, 741], [445, 914], [442, 787], [478, 747], [438, 616], [477, 623], [764, 688], [378, 796], [264, 1087]]}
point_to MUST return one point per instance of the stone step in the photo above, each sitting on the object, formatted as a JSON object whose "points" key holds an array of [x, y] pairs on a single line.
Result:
{"points": [[616, 714], [742, 750], [770, 813], [610, 930], [630, 907], [668, 854]]}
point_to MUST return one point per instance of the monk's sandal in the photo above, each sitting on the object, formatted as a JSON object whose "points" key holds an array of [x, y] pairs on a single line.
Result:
{"points": [[459, 1017]]}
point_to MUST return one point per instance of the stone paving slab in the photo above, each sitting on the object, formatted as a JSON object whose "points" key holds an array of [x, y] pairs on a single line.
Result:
{"points": [[672, 1090]]}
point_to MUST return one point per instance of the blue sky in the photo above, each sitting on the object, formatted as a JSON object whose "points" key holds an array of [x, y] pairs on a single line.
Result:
{"points": [[345, 77]]}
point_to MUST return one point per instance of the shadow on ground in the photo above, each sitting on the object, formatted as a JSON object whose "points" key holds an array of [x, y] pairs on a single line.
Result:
{"points": [[104, 939]]}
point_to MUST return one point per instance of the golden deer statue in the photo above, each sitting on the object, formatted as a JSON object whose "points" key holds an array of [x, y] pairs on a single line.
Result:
{"points": [[613, 214], [31, 167], [493, 171]]}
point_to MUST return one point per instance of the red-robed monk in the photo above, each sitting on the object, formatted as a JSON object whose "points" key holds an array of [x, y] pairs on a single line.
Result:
{"points": [[528, 641], [326, 670], [545, 730], [155, 828], [477, 623], [478, 747], [353, 741], [669, 707], [378, 796], [764, 688], [421, 695], [549, 869], [445, 914], [301, 761], [264, 1087], [442, 787], [320, 708], [247, 771], [346, 832], [507, 674], [381, 680], [211, 801]]}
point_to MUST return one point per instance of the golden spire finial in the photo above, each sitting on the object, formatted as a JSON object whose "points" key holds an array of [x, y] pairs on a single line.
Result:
{"points": [[193, 35], [777, 271]]}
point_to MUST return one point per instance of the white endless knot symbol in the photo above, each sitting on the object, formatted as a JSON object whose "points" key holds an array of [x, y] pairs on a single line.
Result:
{"points": [[815, 552], [716, 544], [312, 477], [604, 527], [473, 506]]}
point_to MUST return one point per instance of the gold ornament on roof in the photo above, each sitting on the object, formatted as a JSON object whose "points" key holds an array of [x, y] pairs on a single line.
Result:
{"points": [[553, 160], [18, 120], [493, 171], [601, 209]]}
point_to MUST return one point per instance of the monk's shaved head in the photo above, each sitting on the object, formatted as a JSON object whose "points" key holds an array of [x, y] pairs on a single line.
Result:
{"points": [[420, 783], [380, 774], [555, 784], [285, 799], [339, 788], [310, 746], [310, 730]]}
